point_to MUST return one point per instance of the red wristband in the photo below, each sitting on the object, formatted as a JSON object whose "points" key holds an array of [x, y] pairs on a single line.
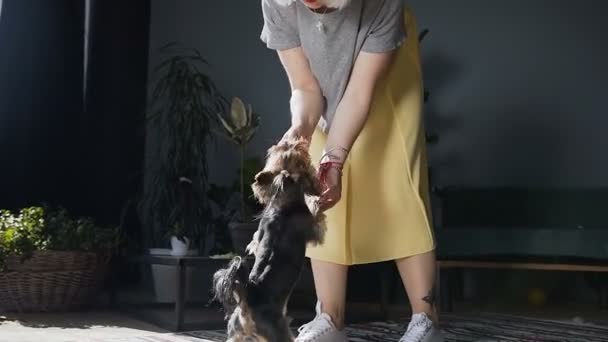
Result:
{"points": [[325, 166]]}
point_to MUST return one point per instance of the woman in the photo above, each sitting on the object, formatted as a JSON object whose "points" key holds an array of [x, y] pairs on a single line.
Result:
{"points": [[353, 67]]}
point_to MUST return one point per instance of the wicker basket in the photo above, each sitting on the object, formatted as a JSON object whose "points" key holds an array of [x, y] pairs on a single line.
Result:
{"points": [[6, 302], [52, 291], [51, 281], [44, 261]]}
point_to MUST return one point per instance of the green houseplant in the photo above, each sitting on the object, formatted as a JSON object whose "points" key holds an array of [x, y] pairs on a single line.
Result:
{"points": [[183, 104], [46, 252], [42, 228], [239, 128]]}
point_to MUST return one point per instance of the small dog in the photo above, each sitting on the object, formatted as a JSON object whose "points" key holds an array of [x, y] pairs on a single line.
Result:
{"points": [[255, 297]]}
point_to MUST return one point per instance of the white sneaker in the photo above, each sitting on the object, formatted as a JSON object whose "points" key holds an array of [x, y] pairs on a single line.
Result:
{"points": [[320, 329], [422, 329]]}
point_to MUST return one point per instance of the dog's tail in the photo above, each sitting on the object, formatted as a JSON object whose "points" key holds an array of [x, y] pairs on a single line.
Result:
{"points": [[230, 283]]}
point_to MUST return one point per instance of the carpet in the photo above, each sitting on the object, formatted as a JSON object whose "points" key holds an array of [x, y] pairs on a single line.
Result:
{"points": [[472, 328]]}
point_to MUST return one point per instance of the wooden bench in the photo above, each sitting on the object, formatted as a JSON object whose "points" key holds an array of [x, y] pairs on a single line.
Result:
{"points": [[447, 281], [543, 229]]}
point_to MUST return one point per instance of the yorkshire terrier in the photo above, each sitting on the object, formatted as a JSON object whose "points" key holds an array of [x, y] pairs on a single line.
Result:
{"points": [[255, 296]]}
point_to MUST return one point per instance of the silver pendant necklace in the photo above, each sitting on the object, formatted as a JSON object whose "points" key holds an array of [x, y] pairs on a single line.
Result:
{"points": [[320, 25]]}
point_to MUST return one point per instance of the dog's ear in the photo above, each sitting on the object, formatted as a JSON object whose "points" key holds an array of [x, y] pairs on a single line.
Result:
{"points": [[262, 186], [264, 177]]}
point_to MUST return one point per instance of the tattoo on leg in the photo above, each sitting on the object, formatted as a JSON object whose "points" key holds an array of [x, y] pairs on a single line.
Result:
{"points": [[430, 297]]}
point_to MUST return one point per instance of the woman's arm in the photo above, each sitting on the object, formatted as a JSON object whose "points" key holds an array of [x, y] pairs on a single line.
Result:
{"points": [[353, 109], [351, 114], [306, 101]]}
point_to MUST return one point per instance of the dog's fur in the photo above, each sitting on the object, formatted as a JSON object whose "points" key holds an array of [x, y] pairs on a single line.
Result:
{"points": [[255, 297]]}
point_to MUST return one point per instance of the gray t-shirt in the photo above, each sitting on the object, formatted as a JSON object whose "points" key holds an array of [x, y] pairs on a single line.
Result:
{"points": [[363, 25]]}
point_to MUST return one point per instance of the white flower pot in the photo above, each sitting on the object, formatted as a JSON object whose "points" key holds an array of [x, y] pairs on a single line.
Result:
{"points": [[179, 248], [164, 283]]}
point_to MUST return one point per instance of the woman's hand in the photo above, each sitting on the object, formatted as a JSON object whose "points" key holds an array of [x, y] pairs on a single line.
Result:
{"points": [[330, 176], [306, 102], [331, 182], [297, 132]]}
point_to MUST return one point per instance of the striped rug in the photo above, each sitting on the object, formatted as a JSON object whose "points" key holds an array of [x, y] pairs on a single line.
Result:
{"points": [[469, 328]]}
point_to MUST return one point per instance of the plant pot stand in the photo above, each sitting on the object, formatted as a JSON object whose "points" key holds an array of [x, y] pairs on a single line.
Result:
{"points": [[163, 276], [181, 264]]}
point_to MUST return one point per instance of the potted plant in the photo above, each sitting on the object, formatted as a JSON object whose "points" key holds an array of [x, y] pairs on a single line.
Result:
{"points": [[240, 127], [225, 204], [180, 243], [183, 103], [180, 238], [46, 252], [174, 208]]}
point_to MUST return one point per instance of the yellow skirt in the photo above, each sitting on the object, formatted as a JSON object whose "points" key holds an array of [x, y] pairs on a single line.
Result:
{"points": [[384, 210]]}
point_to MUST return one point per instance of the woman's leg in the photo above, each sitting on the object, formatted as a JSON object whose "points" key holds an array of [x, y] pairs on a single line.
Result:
{"points": [[330, 286], [418, 276]]}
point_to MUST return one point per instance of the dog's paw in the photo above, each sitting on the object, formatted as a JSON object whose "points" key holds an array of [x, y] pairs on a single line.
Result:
{"points": [[312, 202], [253, 244], [251, 247]]}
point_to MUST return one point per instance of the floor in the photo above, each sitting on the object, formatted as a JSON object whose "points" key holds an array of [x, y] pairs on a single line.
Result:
{"points": [[116, 326], [82, 326]]}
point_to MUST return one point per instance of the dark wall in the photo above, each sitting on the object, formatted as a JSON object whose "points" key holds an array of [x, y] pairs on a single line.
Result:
{"points": [[517, 87], [517, 97], [226, 32], [518, 91]]}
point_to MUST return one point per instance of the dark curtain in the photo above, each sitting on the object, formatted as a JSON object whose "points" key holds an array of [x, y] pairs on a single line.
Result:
{"points": [[60, 143], [41, 50], [113, 130]]}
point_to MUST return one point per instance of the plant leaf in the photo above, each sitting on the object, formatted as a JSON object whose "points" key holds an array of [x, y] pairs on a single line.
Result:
{"points": [[226, 136], [226, 124], [238, 113], [250, 134]]}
